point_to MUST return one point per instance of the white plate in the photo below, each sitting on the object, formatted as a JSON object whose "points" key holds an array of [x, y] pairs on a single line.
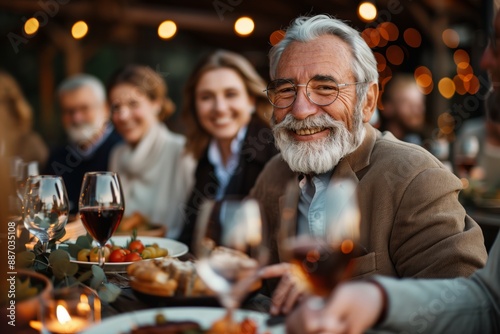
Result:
{"points": [[205, 316], [175, 249]]}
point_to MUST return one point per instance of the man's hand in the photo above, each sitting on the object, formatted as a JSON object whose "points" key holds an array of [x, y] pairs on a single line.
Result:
{"points": [[288, 293], [353, 308]]}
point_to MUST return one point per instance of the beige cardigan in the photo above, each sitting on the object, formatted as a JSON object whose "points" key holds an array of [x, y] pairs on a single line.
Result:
{"points": [[156, 177]]}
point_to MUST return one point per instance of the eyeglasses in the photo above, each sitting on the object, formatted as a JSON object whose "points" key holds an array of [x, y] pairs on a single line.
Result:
{"points": [[321, 91]]}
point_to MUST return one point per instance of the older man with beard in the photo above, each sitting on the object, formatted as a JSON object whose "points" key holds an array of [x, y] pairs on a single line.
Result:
{"points": [[324, 90], [85, 117]]}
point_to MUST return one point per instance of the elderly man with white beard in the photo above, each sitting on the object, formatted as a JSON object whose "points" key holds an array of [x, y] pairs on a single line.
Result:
{"points": [[324, 90], [85, 118]]}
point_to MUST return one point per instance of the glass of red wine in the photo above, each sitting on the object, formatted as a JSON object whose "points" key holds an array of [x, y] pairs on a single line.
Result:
{"points": [[321, 256], [101, 206]]}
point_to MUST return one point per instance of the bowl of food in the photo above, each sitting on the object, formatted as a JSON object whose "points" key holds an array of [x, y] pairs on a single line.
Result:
{"points": [[25, 289]]}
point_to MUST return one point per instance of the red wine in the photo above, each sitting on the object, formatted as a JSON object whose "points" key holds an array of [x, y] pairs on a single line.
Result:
{"points": [[321, 265], [101, 223]]}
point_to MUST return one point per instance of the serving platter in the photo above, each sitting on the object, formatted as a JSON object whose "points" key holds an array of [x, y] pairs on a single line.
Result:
{"points": [[175, 249]]}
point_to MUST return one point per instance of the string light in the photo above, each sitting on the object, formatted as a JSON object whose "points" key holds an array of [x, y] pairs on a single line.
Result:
{"points": [[79, 30], [31, 26], [167, 29], [244, 26], [367, 11]]}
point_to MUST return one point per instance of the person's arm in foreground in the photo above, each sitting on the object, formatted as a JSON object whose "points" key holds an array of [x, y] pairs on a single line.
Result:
{"points": [[458, 305]]}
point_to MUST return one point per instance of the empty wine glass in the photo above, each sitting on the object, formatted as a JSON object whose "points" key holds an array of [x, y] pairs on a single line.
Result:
{"points": [[45, 207], [101, 206], [322, 259], [230, 252]]}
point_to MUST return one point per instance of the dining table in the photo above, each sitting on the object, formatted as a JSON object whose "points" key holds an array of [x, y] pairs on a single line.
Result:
{"points": [[130, 300]]}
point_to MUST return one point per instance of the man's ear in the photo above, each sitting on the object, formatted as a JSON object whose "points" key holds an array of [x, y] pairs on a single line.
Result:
{"points": [[370, 102]]}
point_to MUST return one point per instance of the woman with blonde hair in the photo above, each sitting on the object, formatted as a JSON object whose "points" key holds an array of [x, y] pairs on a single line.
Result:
{"points": [[156, 175], [227, 115]]}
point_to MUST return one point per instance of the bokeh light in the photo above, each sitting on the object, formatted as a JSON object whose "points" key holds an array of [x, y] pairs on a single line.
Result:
{"points": [[395, 54], [381, 62], [423, 77], [461, 58], [244, 26], [167, 29], [389, 31], [446, 87], [31, 26], [451, 38], [412, 37], [371, 37], [465, 73], [446, 123], [79, 30], [473, 85], [367, 11], [460, 85], [276, 37]]}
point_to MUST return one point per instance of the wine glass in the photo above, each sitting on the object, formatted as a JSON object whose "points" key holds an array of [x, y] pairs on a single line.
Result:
{"points": [[322, 259], [468, 150], [45, 207], [101, 206], [230, 250]]}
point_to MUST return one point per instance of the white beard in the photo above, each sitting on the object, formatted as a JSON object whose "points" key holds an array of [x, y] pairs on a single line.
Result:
{"points": [[319, 156], [84, 133]]}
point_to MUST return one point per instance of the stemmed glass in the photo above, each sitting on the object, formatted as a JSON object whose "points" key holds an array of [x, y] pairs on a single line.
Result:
{"points": [[45, 207], [101, 206], [465, 159], [321, 260], [230, 249]]}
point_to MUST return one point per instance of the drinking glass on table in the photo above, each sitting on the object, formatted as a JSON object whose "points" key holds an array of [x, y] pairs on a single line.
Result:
{"points": [[466, 156], [45, 207], [321, 260], [231, 251], [101, 206]]}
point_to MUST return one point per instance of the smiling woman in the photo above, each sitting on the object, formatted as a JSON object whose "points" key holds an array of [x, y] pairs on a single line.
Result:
{"points": [[227, 114], [156, 175]]}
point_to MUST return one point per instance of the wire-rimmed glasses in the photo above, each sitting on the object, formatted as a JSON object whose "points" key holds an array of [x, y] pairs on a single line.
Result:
{"points": [[320, 90]]}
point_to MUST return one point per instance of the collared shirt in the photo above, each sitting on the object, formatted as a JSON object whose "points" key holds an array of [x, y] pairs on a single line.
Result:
{"points": [[225, 172], [311, 207]]}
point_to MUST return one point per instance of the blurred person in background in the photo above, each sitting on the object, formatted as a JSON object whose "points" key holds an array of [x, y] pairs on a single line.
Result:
{"points": [[403, 112], [18, 137], [227, 117], [85, 118], [155, 173]]}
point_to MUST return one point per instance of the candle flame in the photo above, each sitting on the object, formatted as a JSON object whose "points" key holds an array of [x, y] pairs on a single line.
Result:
{"points": [[62, 314]]}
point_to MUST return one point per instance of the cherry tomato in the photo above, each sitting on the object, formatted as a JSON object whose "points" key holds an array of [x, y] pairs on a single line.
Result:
{"points": [[136, 246], [118, 255], [132, 257]]}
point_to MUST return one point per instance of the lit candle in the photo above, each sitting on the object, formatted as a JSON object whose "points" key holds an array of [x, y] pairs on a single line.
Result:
{"points": [[65, 324]]}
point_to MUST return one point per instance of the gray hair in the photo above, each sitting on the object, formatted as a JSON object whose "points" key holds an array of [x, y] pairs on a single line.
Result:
{"points": [[305, 29], [83, 80]]}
